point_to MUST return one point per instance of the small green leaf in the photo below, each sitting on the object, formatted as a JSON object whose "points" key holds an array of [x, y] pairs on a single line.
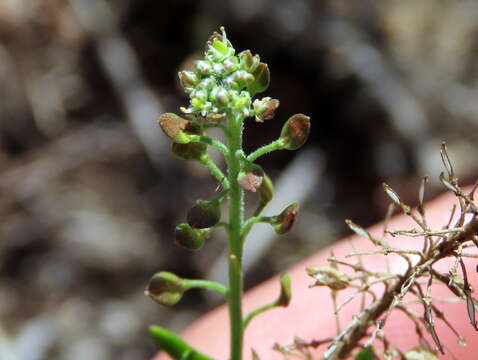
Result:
{"points": [[366, 354]]}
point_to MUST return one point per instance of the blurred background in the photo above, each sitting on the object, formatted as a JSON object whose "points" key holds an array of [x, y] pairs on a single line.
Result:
{"points": [[90, 194]]}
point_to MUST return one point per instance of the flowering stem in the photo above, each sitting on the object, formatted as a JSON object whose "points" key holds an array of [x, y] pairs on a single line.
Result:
{"points": [[273, 146], [254, 220], [215, 171], [258, 311], [236, 218], [205, 284]]}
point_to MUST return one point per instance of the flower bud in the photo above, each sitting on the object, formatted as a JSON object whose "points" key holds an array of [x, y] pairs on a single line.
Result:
{"points": [[295, 132], [243, 78], [189, 238], [188, 79], [230, 65], [266, 190], [247, 61], [165, 288], [286, 219], [261, 79], [420, 353], [174, 127], [328, 276], [265, 108], [203, 67], [285, 291], [204, 214], [251, 180]]}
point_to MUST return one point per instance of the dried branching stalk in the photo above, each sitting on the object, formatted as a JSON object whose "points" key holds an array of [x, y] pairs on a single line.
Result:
{"points": [[418, 279]]}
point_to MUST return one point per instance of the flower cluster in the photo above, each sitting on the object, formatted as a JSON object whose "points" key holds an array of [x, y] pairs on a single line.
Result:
{"points": [[224, 82]]}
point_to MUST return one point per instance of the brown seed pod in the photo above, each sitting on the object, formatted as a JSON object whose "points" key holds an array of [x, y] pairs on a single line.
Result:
{"points": [[286, 219], [173, 125], [295, 131]]}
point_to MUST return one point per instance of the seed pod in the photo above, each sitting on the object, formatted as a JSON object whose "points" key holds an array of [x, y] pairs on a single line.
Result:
{"points": [[285, 291], [190, 151], [174, 127], [286, 219], [328, 276], [261, 79], [189, 238], [204, 214], [295, 131], [265, 108], [165, 288], [420, 353]]}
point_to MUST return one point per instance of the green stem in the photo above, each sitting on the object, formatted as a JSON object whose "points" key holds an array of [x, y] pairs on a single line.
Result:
{"points": [[273, 146], [236, 216], [205, 284], [215, 171], [174, 345], [252, 221], [258, 311], [212, 142]]}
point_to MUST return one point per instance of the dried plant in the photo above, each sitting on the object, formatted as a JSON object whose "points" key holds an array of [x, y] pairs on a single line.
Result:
{"points": [[453, 240]]}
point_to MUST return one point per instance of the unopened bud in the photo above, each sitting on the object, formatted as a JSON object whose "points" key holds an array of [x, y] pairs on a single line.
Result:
{"points": [[247, 61], [190, 151], [265, 108], [295, 131], [261, 79], [204, 214], [165, 288], [286, 219], [243, 78], [266, 190], [285, 291], [203, 67], [420, 353], [188, 79], [328, 276], [250, 181], [174, 127], [189, 238]]}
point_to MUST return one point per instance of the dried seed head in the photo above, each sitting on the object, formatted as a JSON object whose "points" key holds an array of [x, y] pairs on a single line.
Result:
{"points": [[420, 353], [204, 214], [286, 219], [165, 288], [285, 291], [250, 181], [328, 276], [189, 238], [295, 131], [174, 127]]}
